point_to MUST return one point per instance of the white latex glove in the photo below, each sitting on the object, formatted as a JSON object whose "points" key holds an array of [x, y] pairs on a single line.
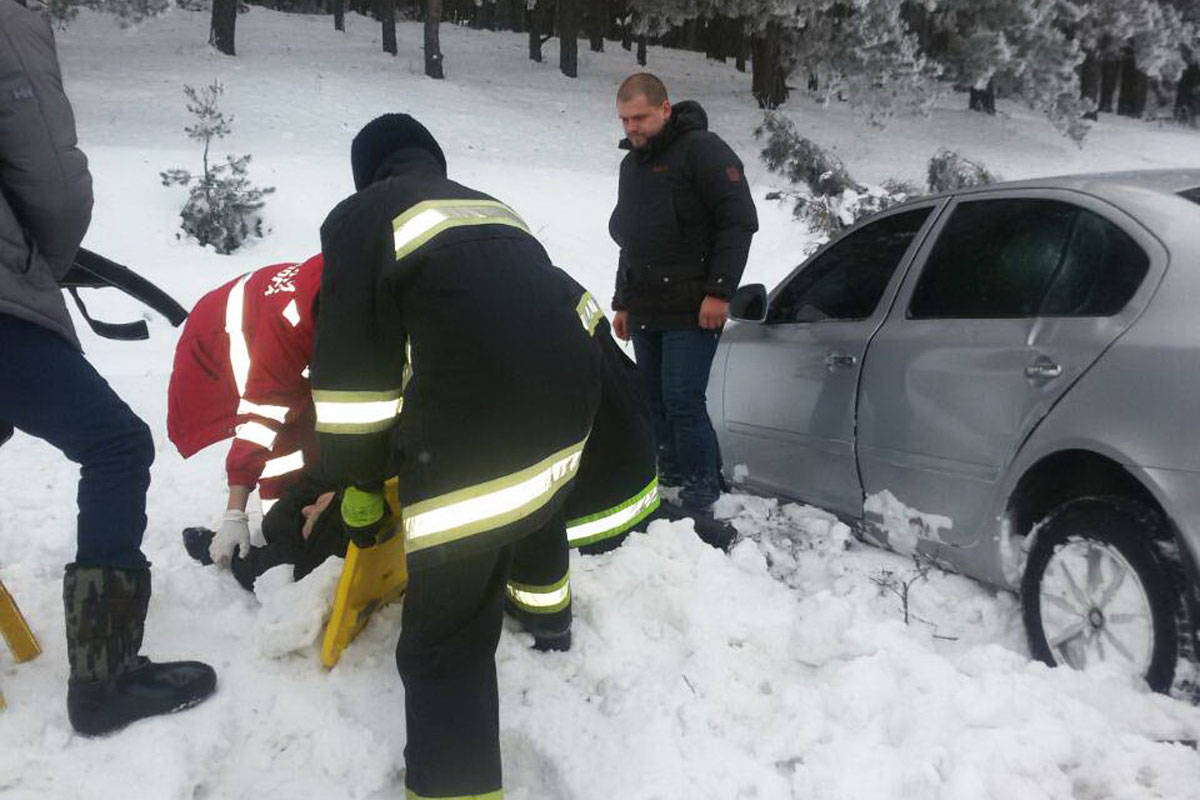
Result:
{"points": [[234, 533]]}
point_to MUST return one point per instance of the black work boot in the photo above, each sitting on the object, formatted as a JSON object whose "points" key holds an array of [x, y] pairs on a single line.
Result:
{"points": [[111, 685], [552, 642], [551, 632], [712, 531], [197, 541]]}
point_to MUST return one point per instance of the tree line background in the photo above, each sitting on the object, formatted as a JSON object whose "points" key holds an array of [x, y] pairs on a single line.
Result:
{"points": [[1069, 59]]}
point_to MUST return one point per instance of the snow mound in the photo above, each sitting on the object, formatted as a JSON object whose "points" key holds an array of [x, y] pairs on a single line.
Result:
{"points": [[293, 613]]}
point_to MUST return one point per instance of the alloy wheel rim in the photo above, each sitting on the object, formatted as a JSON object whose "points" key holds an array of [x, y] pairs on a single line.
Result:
{"points": [[1095, 609]]}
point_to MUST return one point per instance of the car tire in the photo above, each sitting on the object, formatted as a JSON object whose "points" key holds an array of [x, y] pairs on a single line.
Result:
{"points": [[1098, 588]]}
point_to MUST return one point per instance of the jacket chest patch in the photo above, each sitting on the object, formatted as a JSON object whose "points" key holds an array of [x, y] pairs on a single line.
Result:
{"points": [[282, 281]]}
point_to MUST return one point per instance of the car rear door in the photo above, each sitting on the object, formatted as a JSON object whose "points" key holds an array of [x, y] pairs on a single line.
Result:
{"points": [[1013, 297], [791, 383]]}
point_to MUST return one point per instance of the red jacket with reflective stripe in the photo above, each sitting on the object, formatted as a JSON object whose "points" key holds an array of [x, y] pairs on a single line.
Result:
{"points": [[246, 375]]}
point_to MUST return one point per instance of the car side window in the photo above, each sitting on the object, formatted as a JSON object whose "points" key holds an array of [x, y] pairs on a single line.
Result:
{"points": [[1102, 270], [847, 280], [994, 259]]}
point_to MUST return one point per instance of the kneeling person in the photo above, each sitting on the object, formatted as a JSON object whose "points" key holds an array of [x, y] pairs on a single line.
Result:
{"points": [[241, 370]]}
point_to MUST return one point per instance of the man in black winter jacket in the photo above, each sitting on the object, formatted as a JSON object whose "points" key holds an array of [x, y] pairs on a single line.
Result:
{"points": [[684, 220]]}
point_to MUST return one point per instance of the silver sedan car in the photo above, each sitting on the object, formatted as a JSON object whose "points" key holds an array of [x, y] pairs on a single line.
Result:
{"points": [[1006, 379]]}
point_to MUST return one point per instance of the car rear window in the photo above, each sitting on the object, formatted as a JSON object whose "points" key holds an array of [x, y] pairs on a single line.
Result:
{"points": [[1101, 269], [1015, 258], [994, 259]]}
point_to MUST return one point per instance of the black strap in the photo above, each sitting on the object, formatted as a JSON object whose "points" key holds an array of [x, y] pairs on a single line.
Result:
{"points": [[122, 331], [94, 271]]}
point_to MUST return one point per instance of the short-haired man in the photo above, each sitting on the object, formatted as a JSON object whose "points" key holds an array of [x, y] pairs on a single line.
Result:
{"points": [[684, 220]]}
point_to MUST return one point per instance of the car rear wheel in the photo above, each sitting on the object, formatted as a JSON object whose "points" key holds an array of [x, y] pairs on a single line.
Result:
{"points": [[1098, 590]]}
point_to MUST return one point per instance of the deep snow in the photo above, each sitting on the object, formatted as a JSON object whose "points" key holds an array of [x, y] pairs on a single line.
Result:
{"points": [[782, 670]]}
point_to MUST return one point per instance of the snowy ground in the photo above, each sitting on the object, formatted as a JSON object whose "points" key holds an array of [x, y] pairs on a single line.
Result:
{"points": [[780, 671]]}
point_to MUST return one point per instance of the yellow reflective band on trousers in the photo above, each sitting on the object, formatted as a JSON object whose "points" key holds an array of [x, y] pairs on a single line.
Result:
{"points": [[409, 794], [616, 520], [427, 219], [541, 599], [489, 505], [589, 312], [356, 412]]}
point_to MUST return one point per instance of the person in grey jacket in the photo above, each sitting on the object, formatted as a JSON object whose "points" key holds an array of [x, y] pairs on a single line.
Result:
{"points": [[50, 391]]}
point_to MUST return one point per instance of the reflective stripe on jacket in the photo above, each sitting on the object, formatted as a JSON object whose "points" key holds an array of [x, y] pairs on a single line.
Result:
{"points": [[428, 275], [241, 370]]}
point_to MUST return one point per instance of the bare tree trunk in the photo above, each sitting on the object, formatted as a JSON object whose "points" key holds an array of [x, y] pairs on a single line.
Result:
{"points": [[597, 24], [691, 34], [339, 15], [1110, 75], [768, 80], [641, 51], [387, 19], [1089, 77], [224, 24], [716, 38], [1134, 88], [534, 18], [568, 37], [1187, 96], [433, 45], [983, 99], [739, 43], [513, 16]]}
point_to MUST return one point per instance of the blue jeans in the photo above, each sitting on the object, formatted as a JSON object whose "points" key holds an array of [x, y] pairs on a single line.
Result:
{"points": [[675, 366], [49, 390]]}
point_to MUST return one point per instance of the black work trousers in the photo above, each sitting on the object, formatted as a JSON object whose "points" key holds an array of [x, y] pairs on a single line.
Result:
{"points": [[451, 624]]}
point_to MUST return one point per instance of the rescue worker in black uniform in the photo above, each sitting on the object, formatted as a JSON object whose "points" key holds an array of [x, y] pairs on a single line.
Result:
{"points": [[452, 354]]}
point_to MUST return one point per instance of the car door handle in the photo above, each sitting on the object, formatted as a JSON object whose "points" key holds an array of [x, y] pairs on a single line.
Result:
{"points": [[839, 361], [1043, 369]]}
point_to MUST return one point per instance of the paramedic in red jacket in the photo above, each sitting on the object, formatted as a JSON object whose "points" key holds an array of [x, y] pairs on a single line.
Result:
{"points": [[241, 370]]}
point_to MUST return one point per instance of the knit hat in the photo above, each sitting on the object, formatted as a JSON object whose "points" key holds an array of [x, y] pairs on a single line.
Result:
{"points": [[383, 136]]}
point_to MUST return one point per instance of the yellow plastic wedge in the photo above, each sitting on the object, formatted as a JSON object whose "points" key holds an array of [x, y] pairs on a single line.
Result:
{"points": [[370, 579], [21, 641]]}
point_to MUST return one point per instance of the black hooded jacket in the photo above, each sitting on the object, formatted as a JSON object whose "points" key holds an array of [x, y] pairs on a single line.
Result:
{"points": [[437, 297], [684, 220]]}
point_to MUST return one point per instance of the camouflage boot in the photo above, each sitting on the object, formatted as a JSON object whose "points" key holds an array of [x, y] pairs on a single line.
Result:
{"points": [[111, 685]]}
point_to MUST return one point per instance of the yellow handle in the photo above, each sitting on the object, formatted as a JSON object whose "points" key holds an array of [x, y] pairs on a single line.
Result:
{"points": [[21, 641]]}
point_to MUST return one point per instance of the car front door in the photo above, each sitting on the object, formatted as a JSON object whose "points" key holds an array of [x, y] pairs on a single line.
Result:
{"points": [[790, 383], [1012, 298]]}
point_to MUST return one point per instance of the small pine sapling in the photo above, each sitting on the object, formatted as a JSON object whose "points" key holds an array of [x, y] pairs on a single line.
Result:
{"points": [[222, 205]]}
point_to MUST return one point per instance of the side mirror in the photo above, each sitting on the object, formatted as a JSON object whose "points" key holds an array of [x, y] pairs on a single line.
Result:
{"points": [[749, 303]]}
